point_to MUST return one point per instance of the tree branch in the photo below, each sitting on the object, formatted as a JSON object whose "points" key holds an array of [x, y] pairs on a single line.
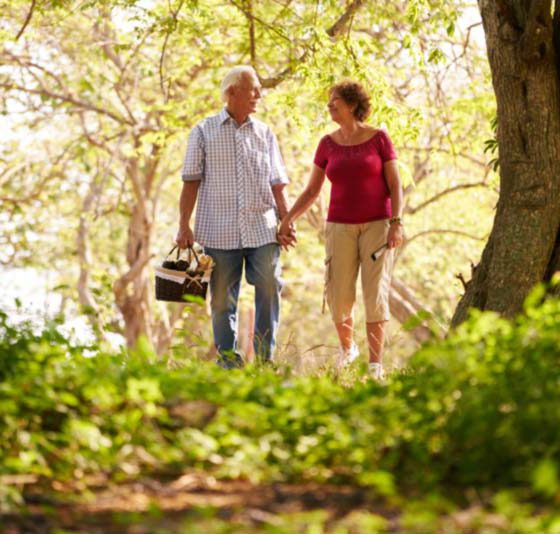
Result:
{"points": [[26, 62], [447, 151], [443, 231], [85, 296], [333, 32], [404, 305], [38, 187], [403, 311], [411, 210], [251, 33], [27, 19], [107, 40], [340, 24], [402, 289], [68, 99], [252, 16], [174, 15], [122, 283], [166, 326]]}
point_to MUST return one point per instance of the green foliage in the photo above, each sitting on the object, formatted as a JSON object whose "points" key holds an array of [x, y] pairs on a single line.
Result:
{"points": [[476, 410], [491, 146]]}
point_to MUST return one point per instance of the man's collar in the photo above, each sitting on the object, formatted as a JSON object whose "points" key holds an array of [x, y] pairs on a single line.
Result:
{"points": [[224, 116]]}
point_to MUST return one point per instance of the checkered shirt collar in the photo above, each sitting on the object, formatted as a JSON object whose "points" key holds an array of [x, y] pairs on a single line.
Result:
{"points": [[223, 116]]}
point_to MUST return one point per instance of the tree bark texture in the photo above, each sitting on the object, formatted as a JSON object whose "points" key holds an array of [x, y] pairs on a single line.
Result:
{"points": [[85, 296], [132, 288], [523, 247]]}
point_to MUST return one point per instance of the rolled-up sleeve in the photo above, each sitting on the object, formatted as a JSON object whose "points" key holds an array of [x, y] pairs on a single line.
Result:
{"points": [[193, 166], [278, 170]]}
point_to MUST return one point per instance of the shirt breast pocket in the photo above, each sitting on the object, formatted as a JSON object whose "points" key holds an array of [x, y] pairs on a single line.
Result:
{"points": [[261, 191], [259, 163]]}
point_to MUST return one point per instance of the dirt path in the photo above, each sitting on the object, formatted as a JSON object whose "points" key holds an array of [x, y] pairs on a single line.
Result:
{"points": [[154, 506]]}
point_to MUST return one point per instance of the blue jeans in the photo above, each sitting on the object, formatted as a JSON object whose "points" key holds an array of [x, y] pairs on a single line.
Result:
{"points": [[262, 270]]}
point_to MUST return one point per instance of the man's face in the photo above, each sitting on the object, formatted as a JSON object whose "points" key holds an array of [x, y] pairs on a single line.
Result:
{"points": [[245, 95]]}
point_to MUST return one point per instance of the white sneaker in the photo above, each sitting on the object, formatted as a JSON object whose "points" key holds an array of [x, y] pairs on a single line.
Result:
{"points": [[376, 371], [347, 356]]}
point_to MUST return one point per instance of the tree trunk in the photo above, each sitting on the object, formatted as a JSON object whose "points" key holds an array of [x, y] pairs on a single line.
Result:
{"points": [[85, 297], [523, 246], [132, 288], [165, 327]]}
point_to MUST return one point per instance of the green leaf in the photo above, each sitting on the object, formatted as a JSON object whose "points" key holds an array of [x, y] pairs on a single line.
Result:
{"points": [[545, 478]]}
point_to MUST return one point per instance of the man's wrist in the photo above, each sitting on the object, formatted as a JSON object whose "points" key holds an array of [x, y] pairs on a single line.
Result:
{"points": [[396, 220]]}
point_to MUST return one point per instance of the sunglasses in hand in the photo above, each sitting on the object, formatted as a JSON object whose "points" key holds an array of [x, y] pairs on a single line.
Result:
{"points": [[377, 253]]}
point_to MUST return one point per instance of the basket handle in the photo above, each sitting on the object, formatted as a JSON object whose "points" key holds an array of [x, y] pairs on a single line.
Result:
{"points": [[190, 251], [193, 252]]}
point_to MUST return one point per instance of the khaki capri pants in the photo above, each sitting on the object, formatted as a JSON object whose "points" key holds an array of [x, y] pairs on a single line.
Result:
{"points": [[349, 248]]}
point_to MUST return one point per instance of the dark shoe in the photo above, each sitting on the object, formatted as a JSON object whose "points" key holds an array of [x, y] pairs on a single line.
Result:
{"points": [[268, 362], [234, 361]]}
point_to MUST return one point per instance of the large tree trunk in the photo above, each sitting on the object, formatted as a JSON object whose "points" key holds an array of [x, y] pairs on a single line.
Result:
{"points": [[132, 288], [523, 246]]}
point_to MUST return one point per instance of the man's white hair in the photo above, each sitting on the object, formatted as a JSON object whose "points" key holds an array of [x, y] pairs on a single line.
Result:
{"points": [[233, 77]]}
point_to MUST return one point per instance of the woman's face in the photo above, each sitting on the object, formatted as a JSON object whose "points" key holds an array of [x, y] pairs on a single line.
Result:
{"points": [[340, 111]]}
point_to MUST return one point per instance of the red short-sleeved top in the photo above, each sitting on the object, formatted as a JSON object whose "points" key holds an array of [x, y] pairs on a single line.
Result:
{"points": [[359, 192]]}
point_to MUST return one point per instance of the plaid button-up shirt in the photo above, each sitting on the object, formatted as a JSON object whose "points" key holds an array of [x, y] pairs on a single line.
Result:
{"points": [[237, 165]]}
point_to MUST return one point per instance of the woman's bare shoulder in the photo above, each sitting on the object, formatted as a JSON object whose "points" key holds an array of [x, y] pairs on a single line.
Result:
{"points": [[371, 130]]}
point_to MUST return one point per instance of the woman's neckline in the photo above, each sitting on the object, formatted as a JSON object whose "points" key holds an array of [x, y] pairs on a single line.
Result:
{"points": [[357, 144]]}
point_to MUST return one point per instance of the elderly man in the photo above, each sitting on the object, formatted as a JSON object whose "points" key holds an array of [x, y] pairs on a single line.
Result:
{"points": [[235, 163]]}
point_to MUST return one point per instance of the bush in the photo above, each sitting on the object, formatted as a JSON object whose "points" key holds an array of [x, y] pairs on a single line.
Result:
{"points": [[477, 409]]}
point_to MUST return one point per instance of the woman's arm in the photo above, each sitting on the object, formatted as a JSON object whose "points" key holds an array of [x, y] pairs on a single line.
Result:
{"points": [[391, 173]]}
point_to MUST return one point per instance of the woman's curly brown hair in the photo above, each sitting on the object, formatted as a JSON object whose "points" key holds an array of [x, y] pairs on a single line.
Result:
{"points": [[354, 95]]}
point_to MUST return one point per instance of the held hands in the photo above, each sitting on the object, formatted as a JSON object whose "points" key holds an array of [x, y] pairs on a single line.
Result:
{"points": [[395, 235], [185, 237], [286, 234]]}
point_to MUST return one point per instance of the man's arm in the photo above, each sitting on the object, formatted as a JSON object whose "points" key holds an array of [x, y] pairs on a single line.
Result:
{"points": [[189, 193], [192, 173], [289, 239], [280, 198]]}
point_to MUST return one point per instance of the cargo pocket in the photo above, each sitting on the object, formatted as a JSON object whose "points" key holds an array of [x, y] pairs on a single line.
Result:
{"points": [[327, 280]]}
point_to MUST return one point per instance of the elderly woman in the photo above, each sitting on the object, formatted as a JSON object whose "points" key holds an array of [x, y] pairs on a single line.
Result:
{"points": [[364, 214]]}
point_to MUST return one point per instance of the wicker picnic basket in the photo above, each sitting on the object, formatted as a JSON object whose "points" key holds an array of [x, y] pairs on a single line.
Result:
{"points": [[177, 280]]}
